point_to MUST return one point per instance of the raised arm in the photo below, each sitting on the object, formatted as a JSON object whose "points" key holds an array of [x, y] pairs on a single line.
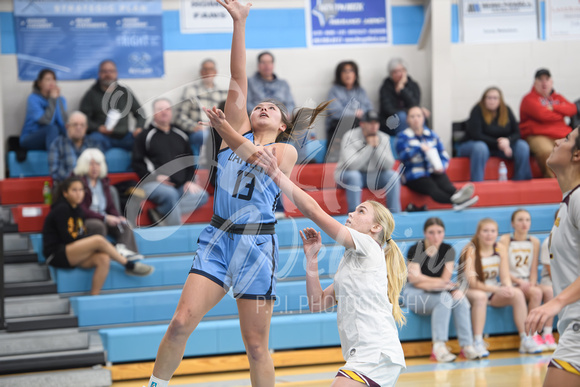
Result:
{"points": [[235, 108], [305, 203], [318, 299]]}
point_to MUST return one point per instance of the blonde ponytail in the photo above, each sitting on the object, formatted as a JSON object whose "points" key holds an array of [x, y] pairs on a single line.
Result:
{"points": [[397, 277], [396, 268]]}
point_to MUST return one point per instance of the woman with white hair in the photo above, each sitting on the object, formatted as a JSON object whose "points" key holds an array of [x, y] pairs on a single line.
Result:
{"points": [[102, 216]]}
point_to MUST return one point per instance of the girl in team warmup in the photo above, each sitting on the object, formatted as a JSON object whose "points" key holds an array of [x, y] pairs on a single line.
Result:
{"points": [[485, 267], [523, 256], [367, 283], [564, 245], [239, 249]]}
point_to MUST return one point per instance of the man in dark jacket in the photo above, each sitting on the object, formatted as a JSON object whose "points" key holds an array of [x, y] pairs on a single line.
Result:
{"points": [[107, 105], [162, 154]]}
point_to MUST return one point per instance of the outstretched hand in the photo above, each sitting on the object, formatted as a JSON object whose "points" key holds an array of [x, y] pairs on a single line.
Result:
{"points": [[311, 241], [237, 10], [268, 161], [217, 118]]}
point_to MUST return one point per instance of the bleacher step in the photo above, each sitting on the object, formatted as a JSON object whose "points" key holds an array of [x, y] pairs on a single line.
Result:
{"points": [[25, 272], [58, 321], [89, 357], [20, 257], [97, 377], [16, 242], [12, 344], [16, 307], [30, 288]]}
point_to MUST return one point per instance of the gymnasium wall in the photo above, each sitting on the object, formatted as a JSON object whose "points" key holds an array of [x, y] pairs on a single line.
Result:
{"points": [[460, 72]]}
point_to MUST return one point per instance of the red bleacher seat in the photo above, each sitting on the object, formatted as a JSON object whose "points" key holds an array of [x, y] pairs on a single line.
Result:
{"points": [[30, 218]]}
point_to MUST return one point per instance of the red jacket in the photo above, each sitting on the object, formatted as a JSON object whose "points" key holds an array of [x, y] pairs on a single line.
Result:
{"points": [[537, 119]]}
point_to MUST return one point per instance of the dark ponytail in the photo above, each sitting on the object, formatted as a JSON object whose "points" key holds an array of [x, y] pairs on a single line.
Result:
{"points": [[301, 120]]}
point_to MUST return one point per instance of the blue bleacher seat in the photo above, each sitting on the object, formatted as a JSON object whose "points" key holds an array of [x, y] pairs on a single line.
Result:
{"points": [[118, 160], [36, 164]]}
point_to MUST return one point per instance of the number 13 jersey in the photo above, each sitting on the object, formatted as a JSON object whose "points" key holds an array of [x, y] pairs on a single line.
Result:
{"points": [[244, 193]]}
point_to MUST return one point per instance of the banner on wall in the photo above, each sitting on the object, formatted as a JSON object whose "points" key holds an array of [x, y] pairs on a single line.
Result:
{"points": [[496, 21], [563, 19], [72, 37], [347, 22], [204, 16]]}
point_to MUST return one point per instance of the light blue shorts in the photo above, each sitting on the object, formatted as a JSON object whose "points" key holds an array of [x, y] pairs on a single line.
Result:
{"points": [[245, 263]]}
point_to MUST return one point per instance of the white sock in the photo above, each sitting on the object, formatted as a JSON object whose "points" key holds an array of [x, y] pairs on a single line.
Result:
{"points": [[547, 331], [477, 338], [437, 344], [155, 382]]}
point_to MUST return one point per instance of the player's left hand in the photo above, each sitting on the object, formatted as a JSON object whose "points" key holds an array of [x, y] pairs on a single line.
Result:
{"points": [[538, 316], [268, 161], [216, 118]]}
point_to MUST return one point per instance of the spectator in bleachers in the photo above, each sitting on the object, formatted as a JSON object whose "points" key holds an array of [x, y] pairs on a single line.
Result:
{"points": [[349, 102], [398, 93], [45, 113], [102, 215], [66, 244], [203, 92], [484, 266], [425, 161], [366, 161], [107, 105], [493, 130], [66, 149], [542, 114], [172, 189], [266, 85], [523, 251], [430, 291]]}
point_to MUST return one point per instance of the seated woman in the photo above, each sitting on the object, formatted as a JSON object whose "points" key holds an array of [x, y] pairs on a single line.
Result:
{"points": [[66, 244], [493, 130], [102, 216], [349, 103], [523, 251], [425, 161], [45, 113], [484, 266], [430, 292]]}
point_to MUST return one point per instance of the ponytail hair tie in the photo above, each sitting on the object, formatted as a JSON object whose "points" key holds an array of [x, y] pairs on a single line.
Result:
{"points": [[388, 240]]}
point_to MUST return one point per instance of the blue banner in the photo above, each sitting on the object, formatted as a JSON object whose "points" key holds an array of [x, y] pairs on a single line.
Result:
{"points": [[72, 37], [348, 22]]}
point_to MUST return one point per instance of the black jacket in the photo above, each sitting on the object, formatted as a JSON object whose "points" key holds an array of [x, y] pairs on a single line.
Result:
{"points": [[391, 102], [63, 225], [479, 130], [154, 150]]}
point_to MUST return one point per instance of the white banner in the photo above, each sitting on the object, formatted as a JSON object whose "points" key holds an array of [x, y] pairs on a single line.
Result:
{"points": [[496, 21], [204, 16], [562, 19]]}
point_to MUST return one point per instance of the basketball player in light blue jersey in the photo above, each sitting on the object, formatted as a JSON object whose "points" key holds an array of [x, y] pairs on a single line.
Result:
{"points": [[239, 250]]}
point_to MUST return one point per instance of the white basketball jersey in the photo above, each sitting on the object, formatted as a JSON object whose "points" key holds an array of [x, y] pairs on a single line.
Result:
{"points": [[520, 255], [565, 253], [490, 267]]}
